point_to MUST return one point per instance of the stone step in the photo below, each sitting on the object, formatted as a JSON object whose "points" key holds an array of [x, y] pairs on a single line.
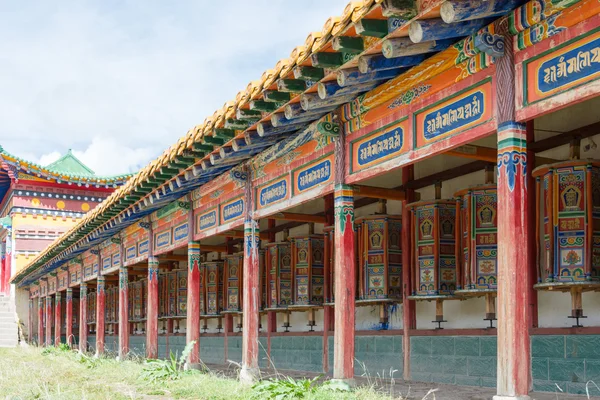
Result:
{"points": [[8, 343]]}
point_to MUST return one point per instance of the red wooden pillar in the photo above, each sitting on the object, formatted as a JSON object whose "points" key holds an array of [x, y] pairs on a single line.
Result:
{"points": [[251, 297], [152, 309], [345, 284], [123, 312], [30, 321], [49, 318], [409, 317], [192, 328], [271, 315], [514, 374], [57, 319], [69, 317], [40, 327], [100, 314], [514, 360], [328, 312], [83, 328]]}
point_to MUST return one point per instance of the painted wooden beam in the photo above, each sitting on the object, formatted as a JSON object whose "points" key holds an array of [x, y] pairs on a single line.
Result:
{"points": [[488, 154], [225, 151], [265, 128], [460, 10], [372, 27], [348, 44], [240, 234], [243, 113], [308, 73], [291, 85], [328, 129], [279, 119], [276, 96], [353, 76], [490, 44], [236, 124], [213, 140], [312, 101], [435, 29], [378, 62], [295, 110], [406, 9], [330, 59], [402, 47], [266, 106], [287, 216], [379, 193], [565, 138], [224, 133], [331, 88], [203, 147]]}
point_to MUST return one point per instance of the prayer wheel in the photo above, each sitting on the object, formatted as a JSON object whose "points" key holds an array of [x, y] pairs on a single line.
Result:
{"points": [[433, 256], [211, 292], [233, 274], [172, 288], [477, 245], [567, 225], [91, 311], [111, 307], [138, 291], [233, 284], [308, 278], [278, 261]]}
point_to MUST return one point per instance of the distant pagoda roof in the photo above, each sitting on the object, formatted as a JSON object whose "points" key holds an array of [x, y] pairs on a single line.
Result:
{"points": [[67, 169]]}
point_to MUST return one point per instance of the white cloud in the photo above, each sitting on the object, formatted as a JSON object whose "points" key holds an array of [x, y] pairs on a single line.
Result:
{"points": [[118, 82]]}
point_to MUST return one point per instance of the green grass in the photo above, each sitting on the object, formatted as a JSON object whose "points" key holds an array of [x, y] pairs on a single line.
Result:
{"points": [[34, 373]]}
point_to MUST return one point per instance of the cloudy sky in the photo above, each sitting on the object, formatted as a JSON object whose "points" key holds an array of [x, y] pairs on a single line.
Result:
{"points": [[119, 81]]}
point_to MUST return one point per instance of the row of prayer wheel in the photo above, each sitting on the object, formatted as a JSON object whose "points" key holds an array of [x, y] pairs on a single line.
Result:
{"points": [[454, 256]]}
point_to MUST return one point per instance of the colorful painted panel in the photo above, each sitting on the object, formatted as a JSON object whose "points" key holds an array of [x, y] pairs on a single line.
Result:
{"points": [[380, 257], [563, 67], [571, 210], [233, 282], [379, 146], [182, 286], [180, 232], [434, 245], [279, 270], [143, 248], [213, 288], [463, 111], [162, 239], [207, 220], [313, 175], [308, 270], [479, 240], [273, 192], [232, 210]]}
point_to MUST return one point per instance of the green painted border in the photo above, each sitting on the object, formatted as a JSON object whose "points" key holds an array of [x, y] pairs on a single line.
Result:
{"points": [[307, 165], [525, 63], [373, 133], [437, 103]]}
